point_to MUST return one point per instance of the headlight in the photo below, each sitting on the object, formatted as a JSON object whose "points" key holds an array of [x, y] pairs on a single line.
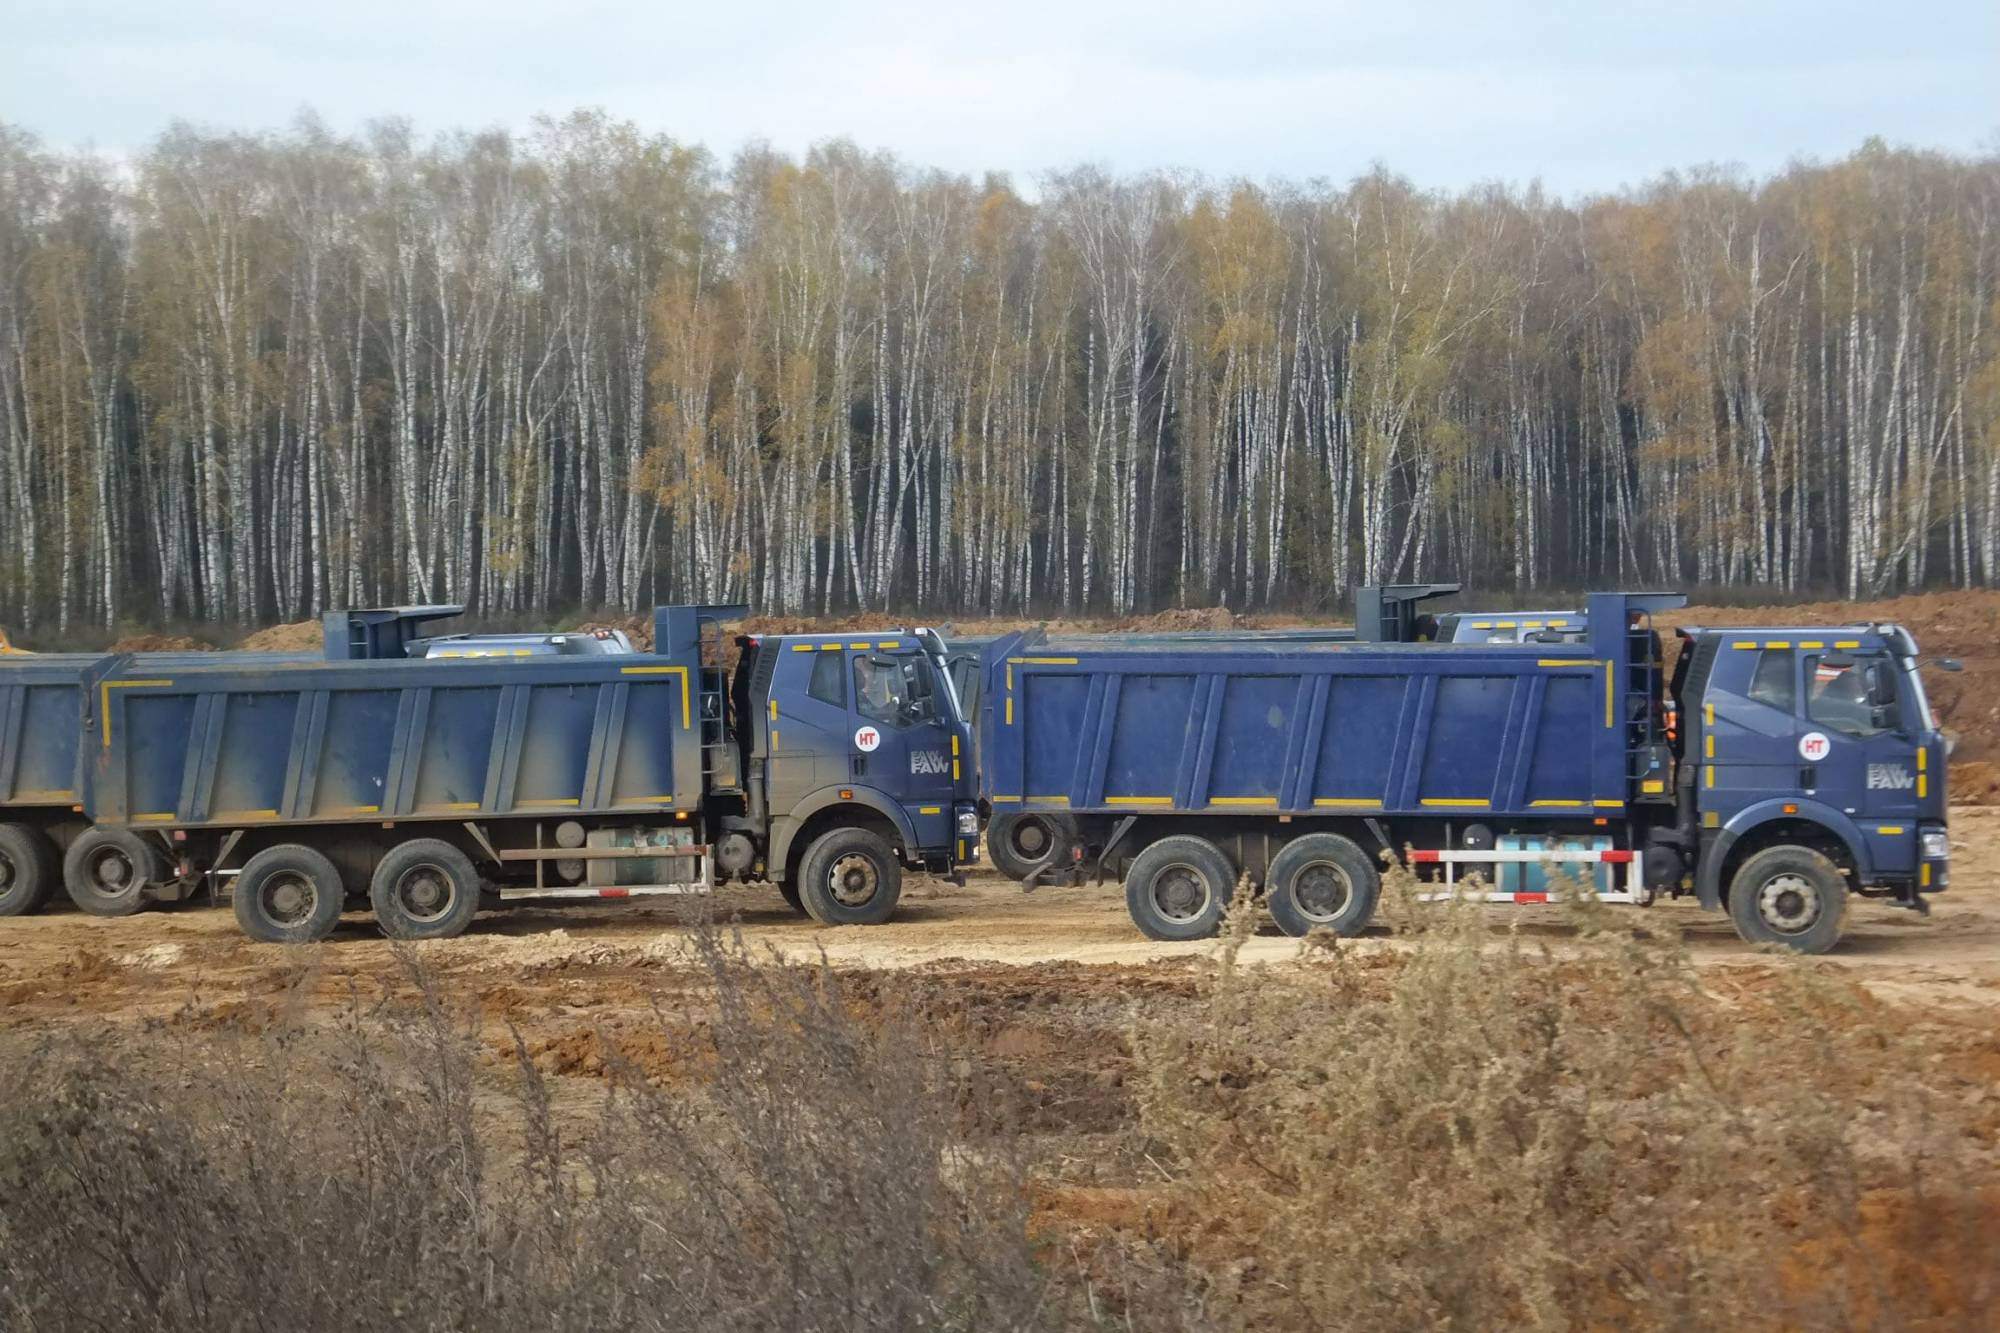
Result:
{"points": [[968, 823], [1936, 844]]}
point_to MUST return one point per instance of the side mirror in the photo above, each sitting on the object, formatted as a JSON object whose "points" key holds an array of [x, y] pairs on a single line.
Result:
{"points": [[1881, 686], [1946, 664]]}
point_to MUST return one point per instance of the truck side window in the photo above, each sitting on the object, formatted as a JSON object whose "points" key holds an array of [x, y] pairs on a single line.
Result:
{"points": [[878, 690], [1837, 695], [826, 684], [1771, 683]]}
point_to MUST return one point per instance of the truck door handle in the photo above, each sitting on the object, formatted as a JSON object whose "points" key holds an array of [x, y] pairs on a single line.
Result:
{"points": [[1808, 776]]}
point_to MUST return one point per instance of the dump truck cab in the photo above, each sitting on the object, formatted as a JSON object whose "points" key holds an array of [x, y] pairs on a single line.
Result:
{"points": [[1814, 738], [860, 730]]}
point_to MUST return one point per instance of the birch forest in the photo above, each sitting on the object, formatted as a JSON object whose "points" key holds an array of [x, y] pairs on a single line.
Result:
{"points": [[245, 377]]}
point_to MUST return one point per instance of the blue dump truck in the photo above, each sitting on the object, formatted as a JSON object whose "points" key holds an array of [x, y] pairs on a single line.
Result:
{"points": [[1772, 774], [437, 774]]}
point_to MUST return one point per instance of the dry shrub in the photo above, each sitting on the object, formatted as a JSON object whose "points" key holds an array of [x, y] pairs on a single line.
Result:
{"points": [[1479, 1134], [373, 1175]]}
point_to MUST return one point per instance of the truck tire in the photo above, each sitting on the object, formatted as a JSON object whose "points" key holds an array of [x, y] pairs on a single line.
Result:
{"points": [[788, 889], [30, 869], [1791, 896], [288, 894], [1178, 888], [1022, 844], [850, 877], [1322, 880], [424, 889], [107, 870]]}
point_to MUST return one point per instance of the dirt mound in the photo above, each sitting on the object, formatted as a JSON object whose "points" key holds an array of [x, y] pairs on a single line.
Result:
{"points": [[299, 636], [1180, 619], [160, 643], [1975, 783]]}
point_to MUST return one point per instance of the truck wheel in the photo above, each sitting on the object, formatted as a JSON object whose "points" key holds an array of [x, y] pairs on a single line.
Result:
{"points": [[788, 889], [30, 869], [850, 877], [1023, 844], [424, 889], [1322, 880], [1178, 888], [1789, 895], [288, 894], [107, 870]]}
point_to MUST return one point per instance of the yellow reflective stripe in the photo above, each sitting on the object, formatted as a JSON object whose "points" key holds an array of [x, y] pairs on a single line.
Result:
{"points": [[1242, 800], [1746, 643], [1708, 775], [1609, 805], [104, 697], [1847, 643], [998, 799], [1610, 684], [451, 805], [1811, 643], [1459, 801], [1708, 745], [1565, 805], [1049, 800], [1778, 643], [1563, 662], [1345, 801], [547, 800], [244, 814], [802, 647], [930, 809], [687, 710], [1138, 800], [1890, 830], [156, 817], [1045, 661]]}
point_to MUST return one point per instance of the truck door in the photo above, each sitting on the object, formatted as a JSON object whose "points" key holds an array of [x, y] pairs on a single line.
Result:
{"points": [[901, 744], [1856, 752], [1750, 728]]}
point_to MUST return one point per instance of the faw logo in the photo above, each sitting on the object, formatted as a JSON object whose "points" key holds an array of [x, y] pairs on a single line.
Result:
{"points": [[929, 761], [1890, 777]]}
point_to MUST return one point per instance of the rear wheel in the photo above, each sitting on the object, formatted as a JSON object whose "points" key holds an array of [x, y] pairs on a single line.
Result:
{"points": [[1178, 888], [107, 870], [424, 889], [288, 894], [1791, 896], [788, 889], [1322, 880], [850, 877], [1022, 844], [30, 869]]}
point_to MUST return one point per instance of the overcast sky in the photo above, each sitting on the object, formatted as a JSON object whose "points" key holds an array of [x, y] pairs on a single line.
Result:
{"points": [[1583, 96]]}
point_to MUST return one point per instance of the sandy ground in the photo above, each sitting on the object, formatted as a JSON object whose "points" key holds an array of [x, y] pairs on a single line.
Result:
{"points": [[62, 967]]}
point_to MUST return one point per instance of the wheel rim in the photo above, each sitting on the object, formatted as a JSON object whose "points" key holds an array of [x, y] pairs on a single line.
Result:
{"points": [[853, 881], [288, 898], [1789, 903], [112, 873], [425, 893], [1031, 839], [1321, 891], [1180, 893]]}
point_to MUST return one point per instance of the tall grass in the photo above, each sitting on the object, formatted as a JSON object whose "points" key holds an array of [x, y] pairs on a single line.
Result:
{"points": [[1464, 1129]]}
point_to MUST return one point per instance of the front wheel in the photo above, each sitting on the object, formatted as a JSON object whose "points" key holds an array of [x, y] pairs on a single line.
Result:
{"points": [[107, 871], [288, 894], [30, 869], [1178, 888], [1791, 896], [424, 889], [850, 877], [1322, 880]]}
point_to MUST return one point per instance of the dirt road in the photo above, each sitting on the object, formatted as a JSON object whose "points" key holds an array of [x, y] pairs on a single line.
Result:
{"points": [[63, 967]]}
